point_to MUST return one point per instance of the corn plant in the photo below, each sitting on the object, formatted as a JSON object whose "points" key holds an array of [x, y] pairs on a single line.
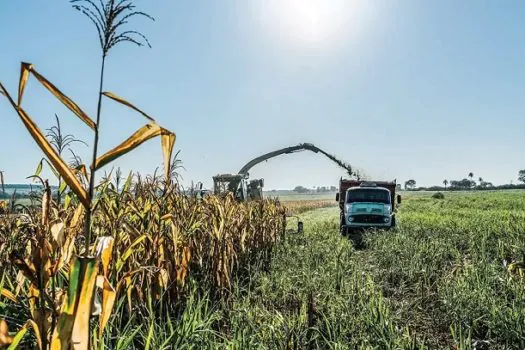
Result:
{"points": [[154, 242], [108, 19], [60, 142], [112, 16]]}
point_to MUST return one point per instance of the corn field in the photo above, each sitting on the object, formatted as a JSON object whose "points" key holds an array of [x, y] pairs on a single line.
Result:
{"points": [[147, 248], [296, 207]]}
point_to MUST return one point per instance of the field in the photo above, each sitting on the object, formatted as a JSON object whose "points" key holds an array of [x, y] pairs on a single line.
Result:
{"points": [[441, 280], [448, 277]]}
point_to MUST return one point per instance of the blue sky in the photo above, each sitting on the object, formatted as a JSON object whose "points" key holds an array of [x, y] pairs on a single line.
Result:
{"points": [[400, 89]]}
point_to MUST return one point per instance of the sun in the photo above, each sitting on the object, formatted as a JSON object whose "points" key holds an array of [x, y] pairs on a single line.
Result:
{"points": [[311, 21]]}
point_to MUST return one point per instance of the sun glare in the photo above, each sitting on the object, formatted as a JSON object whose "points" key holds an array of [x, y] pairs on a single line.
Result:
{"points": [[312, 22]]}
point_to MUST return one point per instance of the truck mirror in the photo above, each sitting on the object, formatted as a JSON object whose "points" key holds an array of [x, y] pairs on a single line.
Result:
{"points": [[398, 199], [337, 197]]}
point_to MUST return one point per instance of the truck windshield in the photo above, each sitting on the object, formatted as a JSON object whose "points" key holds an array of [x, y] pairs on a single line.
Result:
{"points": [[368, 195]]}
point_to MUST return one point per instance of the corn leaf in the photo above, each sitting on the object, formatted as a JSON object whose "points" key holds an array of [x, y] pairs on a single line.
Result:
{"points": [[108, 300], [126, 103], [9, 295], [39, 168], [24, 75], [76, 216], [80, 336], [122, 260], [167, 140], [38, 336], [5, 338], [72, 106], [145, 133], [62, 188], [15, 341], [103, 252], [61, 339], [49, 151]]}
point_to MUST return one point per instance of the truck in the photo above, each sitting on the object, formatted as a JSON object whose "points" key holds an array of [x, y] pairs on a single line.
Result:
{"points": [[367, 204]]}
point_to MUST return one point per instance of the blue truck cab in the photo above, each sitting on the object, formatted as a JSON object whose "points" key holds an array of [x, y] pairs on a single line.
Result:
{"points": [[367, 204]]}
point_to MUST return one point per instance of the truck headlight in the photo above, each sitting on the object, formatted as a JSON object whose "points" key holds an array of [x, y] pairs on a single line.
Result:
{"points": [[350, 218], [386, 219]]}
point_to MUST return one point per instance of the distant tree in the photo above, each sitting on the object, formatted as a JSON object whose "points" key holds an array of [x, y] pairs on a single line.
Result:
{"points": [[301, 189], [471, 176], [333, 189], [485, 184], [521, 176], [463, 184], [480, 179], [410, 184], [445, 182]]}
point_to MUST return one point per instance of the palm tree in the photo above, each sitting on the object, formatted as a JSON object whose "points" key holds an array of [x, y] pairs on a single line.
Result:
{"points": [[471, 175], [445, 182]]}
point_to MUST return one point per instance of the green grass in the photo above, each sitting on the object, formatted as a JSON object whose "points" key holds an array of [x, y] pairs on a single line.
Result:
{"points": [[437, 281]]}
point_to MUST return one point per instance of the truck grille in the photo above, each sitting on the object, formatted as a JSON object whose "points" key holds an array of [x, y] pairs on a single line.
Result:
{"points": [[369, 219]]}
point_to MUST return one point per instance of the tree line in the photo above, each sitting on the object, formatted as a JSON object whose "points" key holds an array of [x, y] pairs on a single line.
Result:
{"points": [[319, 189], [467, 183]]}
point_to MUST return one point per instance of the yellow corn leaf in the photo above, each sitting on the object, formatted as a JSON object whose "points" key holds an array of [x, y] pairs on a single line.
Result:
{"points": [[80, 335], [104, 250], [140, 136], [66, 252], [24, 75], [72, 106], [167, 140], [57, 232], [108, 300], [126, 103], [82, 278], [5, 338], [182, 270], [9, 295], [50, 152], [76, 216]]}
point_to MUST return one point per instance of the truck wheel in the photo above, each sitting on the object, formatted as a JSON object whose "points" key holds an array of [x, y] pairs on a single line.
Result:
{"points": [[393, 225]]}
